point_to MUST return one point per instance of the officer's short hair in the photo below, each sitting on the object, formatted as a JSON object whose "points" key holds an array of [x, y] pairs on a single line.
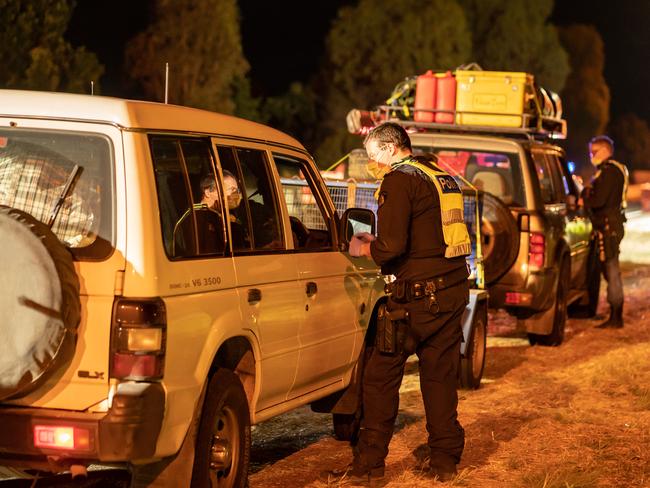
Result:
{"points": [[389, 132], [604, 140]]}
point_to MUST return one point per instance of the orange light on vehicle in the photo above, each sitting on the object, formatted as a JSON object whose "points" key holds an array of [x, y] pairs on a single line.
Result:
{"points": [[61, 437]]}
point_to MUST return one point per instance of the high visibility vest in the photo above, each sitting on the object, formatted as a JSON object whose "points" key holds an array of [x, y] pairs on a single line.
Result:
{"points": [[626, 179], [454, 230]]}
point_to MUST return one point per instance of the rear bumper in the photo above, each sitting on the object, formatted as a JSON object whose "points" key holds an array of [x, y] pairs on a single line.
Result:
{"points": [[128, 431]]}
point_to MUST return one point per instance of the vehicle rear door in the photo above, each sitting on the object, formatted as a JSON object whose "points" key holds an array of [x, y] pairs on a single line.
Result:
{"points": [[91, 225], [270, 296], [577, 227]]}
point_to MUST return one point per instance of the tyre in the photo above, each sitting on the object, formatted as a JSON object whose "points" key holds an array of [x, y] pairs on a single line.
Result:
{"points": [[557, 313], [473, 363], [346, 427], [39, 302], [222, 452], [587, 306], [499, 238]]}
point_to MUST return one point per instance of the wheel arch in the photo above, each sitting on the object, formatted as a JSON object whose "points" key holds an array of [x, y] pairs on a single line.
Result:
{"points": [[238, 354]]}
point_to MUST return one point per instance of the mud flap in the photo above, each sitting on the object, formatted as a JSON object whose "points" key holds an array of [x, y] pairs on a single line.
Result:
{"points": [[540, 323], [467, 321], [174, 470]]}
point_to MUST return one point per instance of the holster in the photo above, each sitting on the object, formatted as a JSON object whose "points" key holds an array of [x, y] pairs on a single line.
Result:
{"points": [[393, 331], [608, 242]]}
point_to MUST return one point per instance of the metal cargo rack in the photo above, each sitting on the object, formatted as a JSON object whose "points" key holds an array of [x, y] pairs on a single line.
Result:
{"points": [[533, 127]]}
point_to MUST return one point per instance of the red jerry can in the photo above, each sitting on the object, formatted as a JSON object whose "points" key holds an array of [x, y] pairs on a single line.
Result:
{"points": [[446, 98], [425, 97]]}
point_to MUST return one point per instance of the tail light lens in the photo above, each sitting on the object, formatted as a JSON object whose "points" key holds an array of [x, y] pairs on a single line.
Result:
{"points": [[138, 339], [62, 437], [536, 250]]}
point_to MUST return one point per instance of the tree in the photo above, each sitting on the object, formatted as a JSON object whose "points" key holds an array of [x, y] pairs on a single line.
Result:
{"points": [[201, 41], [586, 95], [35, 54], [631, 136], [514, 35], [374, 45], [293, 111]]}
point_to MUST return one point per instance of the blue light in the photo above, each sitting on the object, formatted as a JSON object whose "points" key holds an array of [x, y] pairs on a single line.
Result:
{"points": [[572, 166]]}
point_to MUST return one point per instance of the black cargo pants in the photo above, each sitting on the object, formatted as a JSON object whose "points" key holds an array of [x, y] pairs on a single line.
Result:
{"points": [[439, 355]]}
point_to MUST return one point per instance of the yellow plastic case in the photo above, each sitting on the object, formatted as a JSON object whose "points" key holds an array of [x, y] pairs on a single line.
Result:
{"points": [[492, 98]]}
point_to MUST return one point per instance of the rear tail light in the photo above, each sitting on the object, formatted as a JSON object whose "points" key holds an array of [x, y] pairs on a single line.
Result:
{"points": [[138, 339], [62, 437], [536, 250], [517, 298]]}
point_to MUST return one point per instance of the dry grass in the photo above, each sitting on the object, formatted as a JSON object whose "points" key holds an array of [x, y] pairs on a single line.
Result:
{"points": [[577, 416]]}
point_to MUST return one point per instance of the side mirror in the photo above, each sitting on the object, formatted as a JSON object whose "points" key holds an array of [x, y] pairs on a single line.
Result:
{"points": [[356, 220]]}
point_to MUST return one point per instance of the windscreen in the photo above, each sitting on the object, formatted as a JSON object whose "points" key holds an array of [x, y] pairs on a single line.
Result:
{"points": [[37, 175]]}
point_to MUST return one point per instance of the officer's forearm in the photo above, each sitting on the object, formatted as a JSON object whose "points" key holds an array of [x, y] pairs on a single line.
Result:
{"points": [[383, 251]]}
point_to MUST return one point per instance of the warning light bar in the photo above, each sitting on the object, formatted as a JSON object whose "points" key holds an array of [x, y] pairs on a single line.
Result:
{"points": [[61, 437]]}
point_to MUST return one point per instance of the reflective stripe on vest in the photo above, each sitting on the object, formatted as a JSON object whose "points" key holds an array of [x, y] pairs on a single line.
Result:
{"points": [[454, 229], [626, 179]]}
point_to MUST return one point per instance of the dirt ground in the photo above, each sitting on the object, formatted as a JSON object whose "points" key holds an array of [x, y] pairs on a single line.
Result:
{"points": [[575, 416]]}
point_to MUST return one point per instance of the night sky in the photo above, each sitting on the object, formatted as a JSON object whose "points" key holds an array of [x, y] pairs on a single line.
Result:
{"points": [[284, 41]]}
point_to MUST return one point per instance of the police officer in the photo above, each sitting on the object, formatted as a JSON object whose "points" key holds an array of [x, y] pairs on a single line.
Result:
{"points": [[605, 199], [422, 240]]}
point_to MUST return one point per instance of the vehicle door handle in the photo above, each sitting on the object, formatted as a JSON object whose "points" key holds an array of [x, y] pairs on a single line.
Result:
{"points": [[311, 288], [254, 295]]}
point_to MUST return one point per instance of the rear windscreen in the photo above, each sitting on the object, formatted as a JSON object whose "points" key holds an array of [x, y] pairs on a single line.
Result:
{"points": [[36, 168], [497, 173]]}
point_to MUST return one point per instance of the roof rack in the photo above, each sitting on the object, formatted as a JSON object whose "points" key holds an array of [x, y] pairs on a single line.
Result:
{"points": [[532, 127]]}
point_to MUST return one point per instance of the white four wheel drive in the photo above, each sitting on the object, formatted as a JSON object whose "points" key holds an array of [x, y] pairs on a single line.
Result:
{"points": [[166, 284]]}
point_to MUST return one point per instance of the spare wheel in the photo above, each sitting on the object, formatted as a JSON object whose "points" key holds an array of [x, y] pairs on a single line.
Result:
{"points": [[499, 238], [39, 305]]}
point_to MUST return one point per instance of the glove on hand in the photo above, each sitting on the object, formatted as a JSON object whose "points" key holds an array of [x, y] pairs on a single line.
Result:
{"points": [[360, 244]]}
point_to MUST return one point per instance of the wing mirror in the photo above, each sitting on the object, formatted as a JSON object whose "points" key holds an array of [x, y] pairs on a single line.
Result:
{"points": [[356, 220]]}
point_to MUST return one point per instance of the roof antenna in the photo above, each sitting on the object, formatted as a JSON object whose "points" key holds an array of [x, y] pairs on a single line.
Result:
{"points": [[166, 82], [92, 87]]}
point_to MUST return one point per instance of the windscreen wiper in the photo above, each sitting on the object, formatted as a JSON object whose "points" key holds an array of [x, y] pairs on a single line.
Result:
{"points": [[69, 184]]}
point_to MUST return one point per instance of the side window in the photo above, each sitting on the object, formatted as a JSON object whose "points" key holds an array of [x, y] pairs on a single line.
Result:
{"points": [[565, 176], [252, 209], [188, 197], [548, 182], [309, 224]]}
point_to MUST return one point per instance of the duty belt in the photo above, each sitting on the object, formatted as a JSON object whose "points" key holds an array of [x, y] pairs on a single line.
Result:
{"points": [[406, 290]]}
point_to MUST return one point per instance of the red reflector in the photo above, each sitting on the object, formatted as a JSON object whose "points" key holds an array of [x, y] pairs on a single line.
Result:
{"points": [[516, 298], [61, 437], [3, 141], [130, 365]]}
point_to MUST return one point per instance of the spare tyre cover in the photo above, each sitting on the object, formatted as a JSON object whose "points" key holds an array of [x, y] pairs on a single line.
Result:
{"points": [[500, 238], [39, 305]]}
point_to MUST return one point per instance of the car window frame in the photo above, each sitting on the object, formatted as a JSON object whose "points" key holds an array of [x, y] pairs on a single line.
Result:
{"points": [[283, 215], [178, 138], [330, 215]]}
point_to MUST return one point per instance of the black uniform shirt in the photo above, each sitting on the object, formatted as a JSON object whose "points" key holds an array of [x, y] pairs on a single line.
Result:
{"points": [[606, 194], [409, 240]]}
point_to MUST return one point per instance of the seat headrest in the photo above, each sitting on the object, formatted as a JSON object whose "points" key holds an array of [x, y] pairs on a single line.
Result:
{"points": [[493, 183]]}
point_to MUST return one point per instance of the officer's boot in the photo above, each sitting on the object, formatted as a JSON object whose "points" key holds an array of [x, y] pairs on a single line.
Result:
{"points": [[615, 320]]}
